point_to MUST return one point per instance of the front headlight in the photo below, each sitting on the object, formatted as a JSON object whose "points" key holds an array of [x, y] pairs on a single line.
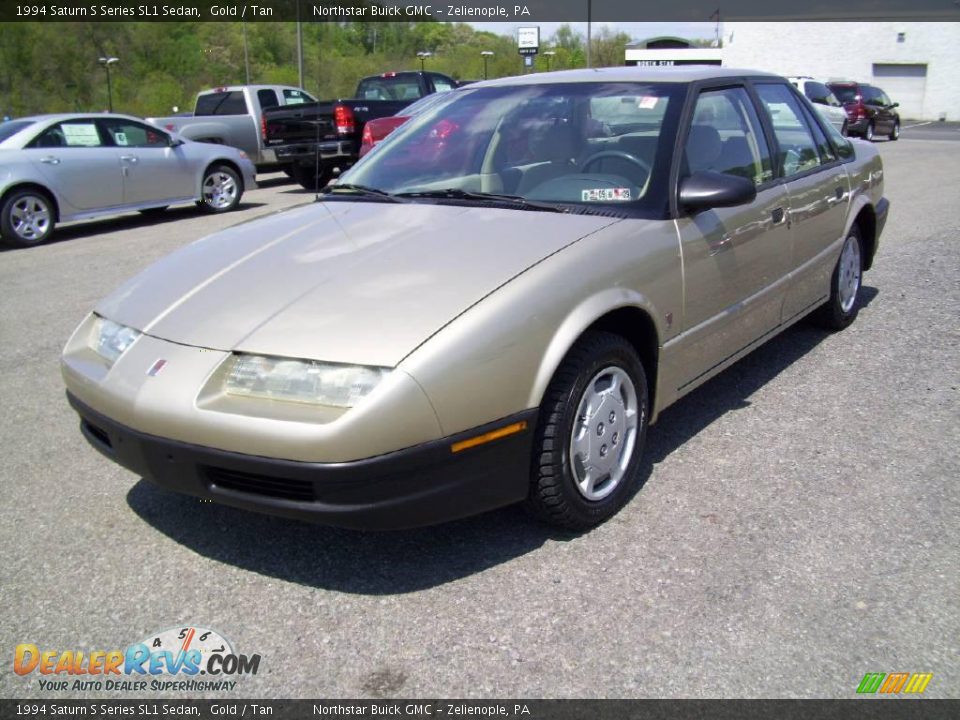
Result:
{"points": [[110, 340], [306, 381]]}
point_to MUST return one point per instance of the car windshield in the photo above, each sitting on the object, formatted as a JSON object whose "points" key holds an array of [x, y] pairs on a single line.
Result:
{"points": [[11, 127], [579, 143]]}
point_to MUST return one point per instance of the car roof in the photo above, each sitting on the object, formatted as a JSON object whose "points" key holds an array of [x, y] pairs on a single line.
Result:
{"points": [[675, 74], [57, 117], [234, 88]]}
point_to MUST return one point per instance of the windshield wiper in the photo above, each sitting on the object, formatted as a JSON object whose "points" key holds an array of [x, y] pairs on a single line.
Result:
{"points": [[460, 194], [361, 190]]}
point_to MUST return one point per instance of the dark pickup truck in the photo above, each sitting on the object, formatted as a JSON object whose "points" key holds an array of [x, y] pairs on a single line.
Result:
{"points": [[312, 141]]}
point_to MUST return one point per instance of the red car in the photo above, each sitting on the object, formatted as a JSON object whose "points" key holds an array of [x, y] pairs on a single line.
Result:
{"points": [[869, 110], [378, 128]]}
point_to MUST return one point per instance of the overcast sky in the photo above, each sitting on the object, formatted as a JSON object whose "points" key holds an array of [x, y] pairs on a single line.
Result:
{"points": [[636, 30]]}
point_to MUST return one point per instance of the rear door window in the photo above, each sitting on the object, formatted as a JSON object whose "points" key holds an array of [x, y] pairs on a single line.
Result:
{"points": [[70, 133]]}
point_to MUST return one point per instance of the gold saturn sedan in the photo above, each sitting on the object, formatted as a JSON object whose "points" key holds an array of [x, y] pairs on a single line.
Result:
{"points": [[491, 307]]}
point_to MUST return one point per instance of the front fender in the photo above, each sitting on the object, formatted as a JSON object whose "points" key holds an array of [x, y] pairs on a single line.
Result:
{"points": [[497, 358], [576, 323]]}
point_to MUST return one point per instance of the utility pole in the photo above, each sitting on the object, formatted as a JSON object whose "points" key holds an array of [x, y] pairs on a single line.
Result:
{"points": [[299, 46], [246, 54]]}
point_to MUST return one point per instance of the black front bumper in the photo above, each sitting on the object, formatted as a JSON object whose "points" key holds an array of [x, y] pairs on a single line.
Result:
{"points": [[422, 485]]}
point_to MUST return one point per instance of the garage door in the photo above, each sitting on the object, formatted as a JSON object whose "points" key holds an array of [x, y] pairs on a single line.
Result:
{"points": [[904, 84]]}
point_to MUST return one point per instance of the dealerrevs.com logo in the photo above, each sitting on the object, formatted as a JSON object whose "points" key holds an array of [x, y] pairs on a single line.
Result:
{"points": [[198, 659]]}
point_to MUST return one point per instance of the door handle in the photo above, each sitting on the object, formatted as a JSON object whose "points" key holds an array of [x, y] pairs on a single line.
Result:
{"points": [[838, 196], [50, 160], [777, 215], [132, 159]]}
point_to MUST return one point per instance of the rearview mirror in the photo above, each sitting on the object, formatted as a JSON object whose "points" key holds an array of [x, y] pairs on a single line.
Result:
{"points": [[707, 189]]}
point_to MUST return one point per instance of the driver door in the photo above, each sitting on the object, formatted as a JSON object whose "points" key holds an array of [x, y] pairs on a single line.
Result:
{"points": [[735, 259]]}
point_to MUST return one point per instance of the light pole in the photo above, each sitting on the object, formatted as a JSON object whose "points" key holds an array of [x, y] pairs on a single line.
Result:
{"points": [[423, 55], [548, 54], [486, 54], [107, 62], [589, 14]]}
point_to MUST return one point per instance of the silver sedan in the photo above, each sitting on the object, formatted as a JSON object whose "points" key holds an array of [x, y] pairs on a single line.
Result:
{"points": [[58, 168]]}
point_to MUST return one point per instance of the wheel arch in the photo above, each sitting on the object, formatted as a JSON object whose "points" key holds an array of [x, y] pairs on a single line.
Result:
{"points": [[36, 187], [866, 222], [625, 313]]}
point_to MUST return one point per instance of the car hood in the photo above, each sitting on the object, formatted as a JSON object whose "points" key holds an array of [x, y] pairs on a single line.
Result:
{"points": [[346, 282]]}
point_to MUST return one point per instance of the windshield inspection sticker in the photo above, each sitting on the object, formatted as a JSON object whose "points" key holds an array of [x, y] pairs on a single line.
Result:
{"points": [[605, 194], [647, 102]]}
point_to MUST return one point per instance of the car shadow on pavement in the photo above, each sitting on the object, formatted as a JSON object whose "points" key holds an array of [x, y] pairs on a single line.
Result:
{"points": [[129, 221], [383, 563]]}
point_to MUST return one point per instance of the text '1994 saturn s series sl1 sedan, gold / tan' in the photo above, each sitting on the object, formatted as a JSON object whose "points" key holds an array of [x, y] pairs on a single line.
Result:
{"points": [[490, 307]]}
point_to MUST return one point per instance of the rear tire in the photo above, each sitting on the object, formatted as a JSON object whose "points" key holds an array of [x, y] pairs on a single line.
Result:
{"points": [[868, 133], [221, 189], [844, 303], [590, 434], [27, 218]]}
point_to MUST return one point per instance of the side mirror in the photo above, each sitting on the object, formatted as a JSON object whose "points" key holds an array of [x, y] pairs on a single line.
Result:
{"points": [[894, 105], [707, 189], [175, 142]]}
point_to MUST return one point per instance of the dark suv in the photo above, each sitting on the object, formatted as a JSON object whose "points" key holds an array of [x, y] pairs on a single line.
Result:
{"points": [[869, 110]]}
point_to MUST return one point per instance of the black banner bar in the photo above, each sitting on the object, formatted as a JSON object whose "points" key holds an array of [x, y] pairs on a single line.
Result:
{"points": [[507, 11], [872, 709]]}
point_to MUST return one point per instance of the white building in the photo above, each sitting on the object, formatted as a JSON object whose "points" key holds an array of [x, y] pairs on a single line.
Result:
{"points": [[915, 63]]}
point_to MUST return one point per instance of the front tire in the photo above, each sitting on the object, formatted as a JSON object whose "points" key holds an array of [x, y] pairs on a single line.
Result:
{"points": [[844, 303], [308, 178], [590, 435], [221, 189], [895, 133], [27, 218]]}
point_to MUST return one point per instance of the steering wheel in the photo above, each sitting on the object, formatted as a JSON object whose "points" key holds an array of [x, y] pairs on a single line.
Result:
{"points": [[615, 154]]}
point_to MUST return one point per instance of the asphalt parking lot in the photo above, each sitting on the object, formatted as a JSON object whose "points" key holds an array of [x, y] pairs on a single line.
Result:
{"points": [[800, 526]]}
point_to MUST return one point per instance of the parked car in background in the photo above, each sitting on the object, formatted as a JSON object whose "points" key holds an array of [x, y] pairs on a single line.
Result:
{"points": [[488, 315], [233, 116], [869, 111], [377, 129], [826, 103], [316, 140], [57, 168]]}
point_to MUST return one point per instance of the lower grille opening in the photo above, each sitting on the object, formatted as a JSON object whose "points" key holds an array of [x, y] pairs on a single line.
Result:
{"points": [[265, 485], [97, 433]]}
